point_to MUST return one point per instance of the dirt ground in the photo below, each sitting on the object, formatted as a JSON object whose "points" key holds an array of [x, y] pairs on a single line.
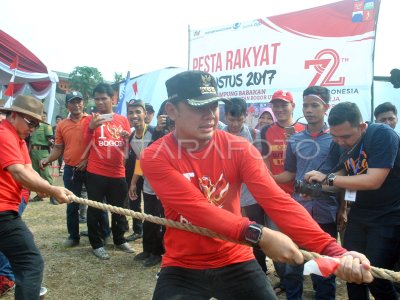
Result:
{"points": [[76, 273]]}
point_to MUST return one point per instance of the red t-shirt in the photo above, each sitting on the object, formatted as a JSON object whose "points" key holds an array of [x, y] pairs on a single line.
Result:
{"points": [[277, 142], [13, 150], [203, 188], [107, 147]]}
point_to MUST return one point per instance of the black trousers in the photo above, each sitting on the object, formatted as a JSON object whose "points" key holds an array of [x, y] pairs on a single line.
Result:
{"points": [[153, 234], [17, 244], [238, 281], [381, 244], [114, 191]]}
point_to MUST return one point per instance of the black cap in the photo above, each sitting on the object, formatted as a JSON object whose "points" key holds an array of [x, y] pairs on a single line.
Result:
{"points": [[149, 108], [136, 102], [198, 88], [73, 95]]}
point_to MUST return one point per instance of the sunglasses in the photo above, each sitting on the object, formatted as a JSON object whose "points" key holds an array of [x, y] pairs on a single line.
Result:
{"points": [[31, 124]]}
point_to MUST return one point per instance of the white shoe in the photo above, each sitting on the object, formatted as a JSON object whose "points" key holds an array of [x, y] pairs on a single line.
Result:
{"points": [[101, 253], [125, 247], [43, 291]]}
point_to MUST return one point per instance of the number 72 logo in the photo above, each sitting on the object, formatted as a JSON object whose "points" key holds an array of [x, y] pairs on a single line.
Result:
{"points": [[325, 63]]}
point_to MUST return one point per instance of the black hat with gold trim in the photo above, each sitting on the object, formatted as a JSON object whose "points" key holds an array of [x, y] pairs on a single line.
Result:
{"points": [[197, 88]]}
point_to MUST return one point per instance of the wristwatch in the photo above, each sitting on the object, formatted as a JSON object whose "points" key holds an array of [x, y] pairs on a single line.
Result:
{"points": [[253, 234], [330, 178]]}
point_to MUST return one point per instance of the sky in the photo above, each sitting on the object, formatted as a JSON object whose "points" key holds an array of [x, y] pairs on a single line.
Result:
{"points": [[144, 36]]}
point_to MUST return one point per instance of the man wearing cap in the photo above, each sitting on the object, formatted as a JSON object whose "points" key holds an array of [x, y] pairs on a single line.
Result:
{"points": [[149, 113], [107, 135], [136, 117], [16, 172], [69, 141], [197, 172], [152, 233], [274, 137], [40, 142]]}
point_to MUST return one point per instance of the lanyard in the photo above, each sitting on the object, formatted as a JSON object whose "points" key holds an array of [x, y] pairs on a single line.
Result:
{"points": [[355, 170]]}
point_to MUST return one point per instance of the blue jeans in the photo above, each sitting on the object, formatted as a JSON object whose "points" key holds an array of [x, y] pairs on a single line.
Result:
{"points": [[381, 245], [325, 288], [5, 268], [17, 244], [74, 180], [244, 280]]}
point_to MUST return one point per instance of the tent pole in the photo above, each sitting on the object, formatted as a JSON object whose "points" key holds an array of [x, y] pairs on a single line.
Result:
{"points": [[373, 65]]}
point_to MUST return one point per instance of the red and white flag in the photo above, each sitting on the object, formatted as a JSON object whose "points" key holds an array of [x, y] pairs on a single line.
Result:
{"points": [[15, 63], [14, 66], [324, 266]]}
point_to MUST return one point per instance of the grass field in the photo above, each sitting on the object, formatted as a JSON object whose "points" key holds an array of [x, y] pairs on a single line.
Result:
{"points": [[76, 273]]}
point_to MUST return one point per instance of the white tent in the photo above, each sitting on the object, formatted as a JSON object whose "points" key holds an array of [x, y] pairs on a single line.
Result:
{"points": [[31, 75]]}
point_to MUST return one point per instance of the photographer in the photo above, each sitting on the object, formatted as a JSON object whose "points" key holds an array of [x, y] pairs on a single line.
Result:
{"points": [[308, 150], [370, 175]]}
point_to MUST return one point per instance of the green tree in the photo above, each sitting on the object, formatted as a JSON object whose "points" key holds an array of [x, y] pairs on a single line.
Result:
{"points": [[118, 77], [84, 79]]}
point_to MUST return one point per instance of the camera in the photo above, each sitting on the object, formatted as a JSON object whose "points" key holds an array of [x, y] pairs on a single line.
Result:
{"points": [[169, 123], [313, 189]]}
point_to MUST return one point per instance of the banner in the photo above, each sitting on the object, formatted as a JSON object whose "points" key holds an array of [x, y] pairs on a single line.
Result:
{"points": [[149, 87], [330, 46]]}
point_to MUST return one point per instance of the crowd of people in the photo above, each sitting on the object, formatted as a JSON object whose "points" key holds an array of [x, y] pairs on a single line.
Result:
{"points": [[281, 185]]}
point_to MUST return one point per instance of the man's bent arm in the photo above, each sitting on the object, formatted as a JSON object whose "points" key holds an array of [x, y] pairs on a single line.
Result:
{"points": [[28, 178], [373, 180], [55, 153]]}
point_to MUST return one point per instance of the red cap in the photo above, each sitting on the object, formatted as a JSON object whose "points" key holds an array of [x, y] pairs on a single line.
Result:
{"points": [[283, 95]]}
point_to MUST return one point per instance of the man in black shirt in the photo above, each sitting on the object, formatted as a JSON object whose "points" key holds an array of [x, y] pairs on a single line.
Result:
{"points": [[370, 176]]}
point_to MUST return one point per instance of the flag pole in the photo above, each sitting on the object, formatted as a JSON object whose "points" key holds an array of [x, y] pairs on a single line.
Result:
{"points": [[10, 88]]}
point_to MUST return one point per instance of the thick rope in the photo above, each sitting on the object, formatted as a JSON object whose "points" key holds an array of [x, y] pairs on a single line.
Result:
{"points": [[376, 272]]}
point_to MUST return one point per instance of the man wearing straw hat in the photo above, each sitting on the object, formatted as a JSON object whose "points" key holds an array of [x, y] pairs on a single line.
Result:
{"points": [[16, 240]]}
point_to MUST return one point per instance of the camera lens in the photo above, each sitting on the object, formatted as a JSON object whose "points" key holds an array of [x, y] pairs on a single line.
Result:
{"points": [[310, 189]]}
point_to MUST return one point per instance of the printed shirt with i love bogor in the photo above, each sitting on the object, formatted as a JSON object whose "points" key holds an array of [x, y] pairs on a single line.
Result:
{"points": [[107, 147]]}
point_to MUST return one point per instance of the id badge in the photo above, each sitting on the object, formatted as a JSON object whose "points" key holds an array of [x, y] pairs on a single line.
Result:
{"points": [[350, 195]]}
